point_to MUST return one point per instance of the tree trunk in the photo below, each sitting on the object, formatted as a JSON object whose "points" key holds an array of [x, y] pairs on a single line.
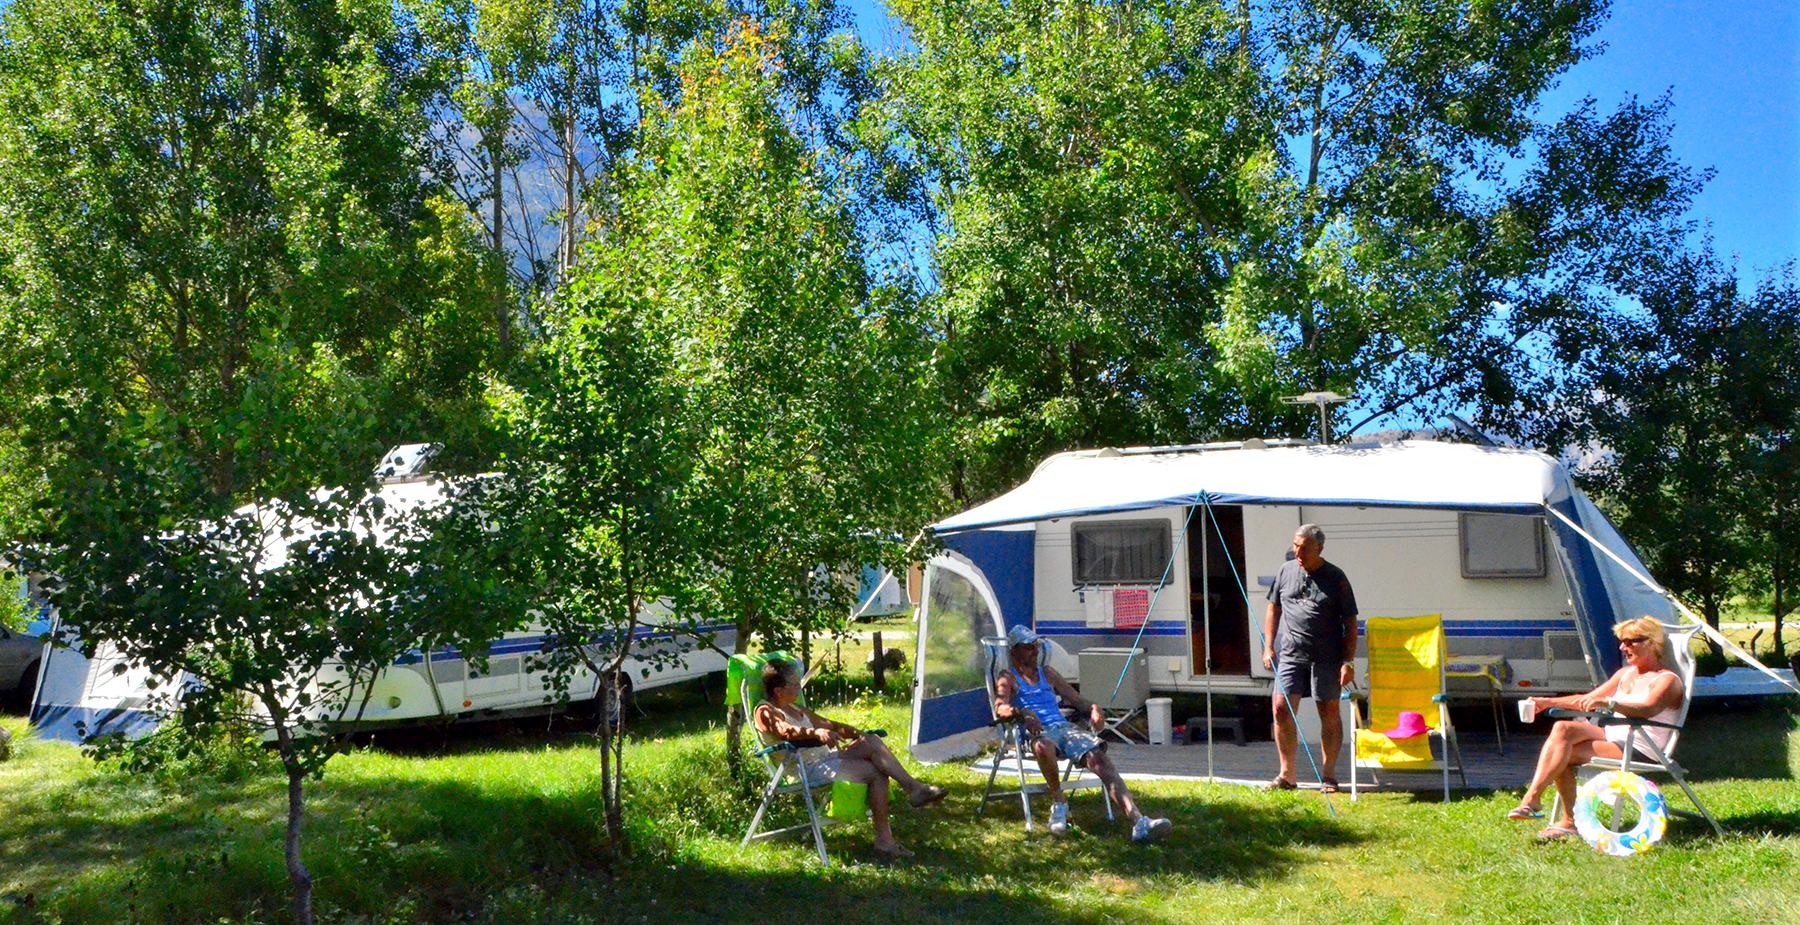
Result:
{"points": [[296, 774], [1777, 566], [612, 765], [880, 665], [497, 159], [734, 722]]}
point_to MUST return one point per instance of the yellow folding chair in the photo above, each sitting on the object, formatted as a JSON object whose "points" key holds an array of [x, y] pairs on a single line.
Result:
{"points": [[1406, 674]]}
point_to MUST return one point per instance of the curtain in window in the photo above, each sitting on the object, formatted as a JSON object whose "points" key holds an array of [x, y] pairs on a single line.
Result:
{"points": [[1125, 552]]}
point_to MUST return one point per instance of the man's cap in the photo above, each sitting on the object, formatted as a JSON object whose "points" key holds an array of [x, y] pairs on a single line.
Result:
{"points": [[1021, 635]]}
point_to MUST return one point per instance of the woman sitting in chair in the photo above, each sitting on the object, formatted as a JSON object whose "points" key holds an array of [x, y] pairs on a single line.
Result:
{"points": [[1644, 689], [835, 751]]}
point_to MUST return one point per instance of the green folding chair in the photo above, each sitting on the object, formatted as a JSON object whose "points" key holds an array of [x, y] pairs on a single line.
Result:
{"points": [[784, 761]]}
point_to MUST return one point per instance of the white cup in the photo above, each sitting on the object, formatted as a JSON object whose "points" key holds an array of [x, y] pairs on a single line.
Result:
{"points": [[1527, 710]]}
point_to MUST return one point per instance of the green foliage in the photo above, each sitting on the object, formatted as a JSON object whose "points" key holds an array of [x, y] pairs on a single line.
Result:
{"points": [[219, 232], [791, 365], [228, 752], [719, 416], [1691, 400], [229, 278], [1152, 219]]}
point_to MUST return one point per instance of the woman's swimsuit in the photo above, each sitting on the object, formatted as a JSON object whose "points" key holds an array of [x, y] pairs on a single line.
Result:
{"points": [[1639, 696]]}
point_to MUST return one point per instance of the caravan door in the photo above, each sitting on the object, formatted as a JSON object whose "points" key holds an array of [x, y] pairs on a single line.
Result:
{"points": [[951, 716], [1219, 612]]}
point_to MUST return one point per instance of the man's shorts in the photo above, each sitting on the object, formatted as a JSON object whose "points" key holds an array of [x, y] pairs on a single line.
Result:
{"points": [[1071, 741], [1318, 680]]}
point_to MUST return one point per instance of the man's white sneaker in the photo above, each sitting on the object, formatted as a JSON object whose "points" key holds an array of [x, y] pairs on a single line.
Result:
{"points": [[1059, 818], [1148, 829]]}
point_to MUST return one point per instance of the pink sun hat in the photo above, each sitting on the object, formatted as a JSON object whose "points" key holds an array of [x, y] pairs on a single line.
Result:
{"points": [[1412, 723]]}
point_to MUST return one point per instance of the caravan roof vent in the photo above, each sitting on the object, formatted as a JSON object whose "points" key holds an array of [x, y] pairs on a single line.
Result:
{"points": [[406, 462]]}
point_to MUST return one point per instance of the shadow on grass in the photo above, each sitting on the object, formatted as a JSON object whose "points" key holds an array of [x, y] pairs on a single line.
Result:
{"points": [[1746, 740], [966, 870]]}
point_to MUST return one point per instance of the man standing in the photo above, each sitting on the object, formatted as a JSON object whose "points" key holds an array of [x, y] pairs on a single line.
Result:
{"points": [[1309, 639]]}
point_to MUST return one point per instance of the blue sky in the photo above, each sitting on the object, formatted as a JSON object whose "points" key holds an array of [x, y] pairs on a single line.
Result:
{"points": [[1732, 69], [1733, 72]]}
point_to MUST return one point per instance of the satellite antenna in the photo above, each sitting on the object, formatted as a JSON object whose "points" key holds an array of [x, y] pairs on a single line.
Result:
{"points": [[1322, 399]]}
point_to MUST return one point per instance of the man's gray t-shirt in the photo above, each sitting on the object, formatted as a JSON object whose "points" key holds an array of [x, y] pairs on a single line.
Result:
{"points": [[1313, 607]]}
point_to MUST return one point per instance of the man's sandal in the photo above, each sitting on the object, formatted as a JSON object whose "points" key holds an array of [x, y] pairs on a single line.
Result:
{"points": [[1280, 783], [1328, 785]]}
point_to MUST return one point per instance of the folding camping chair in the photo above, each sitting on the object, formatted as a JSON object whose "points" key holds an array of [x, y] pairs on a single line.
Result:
{"points": [[1682, 660], [1406, 673], [1013, 752], [783, 760]]}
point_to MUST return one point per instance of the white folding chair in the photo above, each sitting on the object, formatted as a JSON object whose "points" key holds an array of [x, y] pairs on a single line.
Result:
{"points": [[1638, 738], [1013, 752]]}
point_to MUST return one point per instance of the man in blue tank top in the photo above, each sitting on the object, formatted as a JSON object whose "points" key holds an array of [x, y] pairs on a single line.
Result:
{"points": [[1030, 692], [1309, 639]]}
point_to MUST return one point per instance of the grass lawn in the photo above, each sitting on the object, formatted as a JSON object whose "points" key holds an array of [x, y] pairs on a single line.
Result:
{"points": [[499, 826]]}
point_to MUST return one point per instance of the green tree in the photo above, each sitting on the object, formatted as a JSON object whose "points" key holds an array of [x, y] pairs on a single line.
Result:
{"points": [[1768, 405], [792, 372], [1676, 407], [228, 275], [1153, 218], [220, 214], [554, 91], [591, 506]]}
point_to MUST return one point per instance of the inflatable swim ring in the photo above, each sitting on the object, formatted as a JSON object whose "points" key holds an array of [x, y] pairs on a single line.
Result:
{"points": [[1653, 816]]}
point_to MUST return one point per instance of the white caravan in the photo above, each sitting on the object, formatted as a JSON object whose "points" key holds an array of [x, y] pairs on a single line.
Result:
{"points": [[1173, 549], [86, 690]]}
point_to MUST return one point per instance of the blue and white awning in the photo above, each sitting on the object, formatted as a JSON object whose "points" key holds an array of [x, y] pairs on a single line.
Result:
{"points": [[1408, 474]]}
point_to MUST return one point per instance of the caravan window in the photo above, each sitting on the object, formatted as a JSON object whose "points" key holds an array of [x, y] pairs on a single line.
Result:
{"points": [[1120, 552], [1502, 545], [959, 618]]}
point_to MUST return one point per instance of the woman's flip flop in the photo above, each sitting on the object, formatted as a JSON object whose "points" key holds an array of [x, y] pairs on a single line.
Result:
{"points": [[931, 794], [1555, 833], [1523, 811]]}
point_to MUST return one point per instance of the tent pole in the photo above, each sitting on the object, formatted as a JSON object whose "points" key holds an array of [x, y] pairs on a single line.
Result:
{"points": [[1206, 620], [1699, 621]]}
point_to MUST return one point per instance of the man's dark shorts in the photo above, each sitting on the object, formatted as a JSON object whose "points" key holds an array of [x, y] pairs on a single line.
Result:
{"points": [[1318, 680]]}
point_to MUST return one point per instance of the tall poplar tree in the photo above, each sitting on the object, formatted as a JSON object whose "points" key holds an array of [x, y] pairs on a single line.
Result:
{"points": [[1153, 218]]}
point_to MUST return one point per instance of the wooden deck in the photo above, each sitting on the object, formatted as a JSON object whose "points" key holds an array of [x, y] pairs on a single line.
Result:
{"points": [[1254, 763]]}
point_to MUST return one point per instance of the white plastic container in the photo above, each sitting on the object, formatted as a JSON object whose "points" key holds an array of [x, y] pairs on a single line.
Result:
{"points": [[1159, 709], [1527, 710]]}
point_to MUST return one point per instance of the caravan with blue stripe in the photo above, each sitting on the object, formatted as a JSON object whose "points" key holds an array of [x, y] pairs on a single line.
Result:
{"points": [[86, 689], [1171, 551]]}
